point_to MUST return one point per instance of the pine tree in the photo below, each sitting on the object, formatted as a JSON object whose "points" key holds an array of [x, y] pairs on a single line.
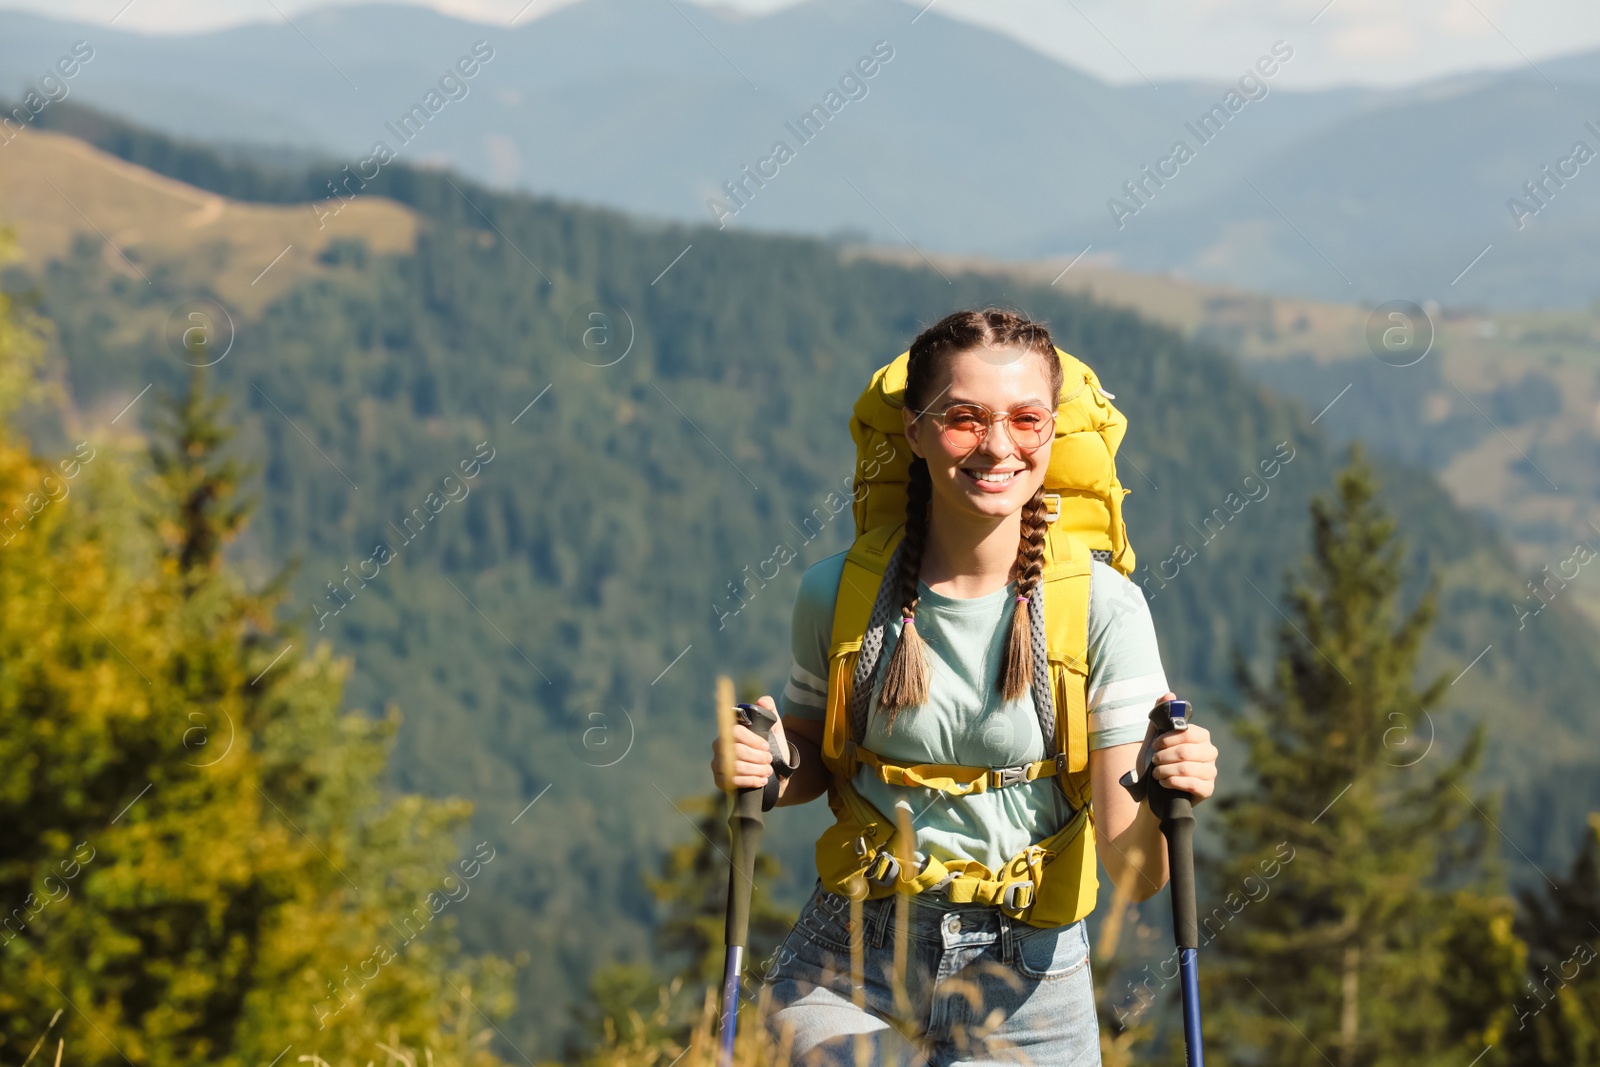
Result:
{"points": [[1558, 1005], [691, 893], [21, 347], [1354, 918], [197, 860], [200, 479], [693, 888]]}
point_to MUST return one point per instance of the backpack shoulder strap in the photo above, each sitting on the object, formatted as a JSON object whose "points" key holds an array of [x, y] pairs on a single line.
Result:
{"points": [[862, 574], [1067, 576], [860, 580]]}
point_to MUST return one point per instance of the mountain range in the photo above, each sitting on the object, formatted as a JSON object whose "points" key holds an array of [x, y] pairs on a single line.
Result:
{"points": [[961, 141]]}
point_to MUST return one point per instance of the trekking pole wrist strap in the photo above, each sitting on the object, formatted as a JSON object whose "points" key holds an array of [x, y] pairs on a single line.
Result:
{"points": [[782, 768], [785, 765]]}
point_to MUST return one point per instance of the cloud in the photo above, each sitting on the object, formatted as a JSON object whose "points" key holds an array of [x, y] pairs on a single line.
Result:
{"points": [[1374, 41], [1459, 18]]}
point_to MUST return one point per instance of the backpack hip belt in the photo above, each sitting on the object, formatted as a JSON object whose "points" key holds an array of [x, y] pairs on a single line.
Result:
{"points": [[1049, 883]]}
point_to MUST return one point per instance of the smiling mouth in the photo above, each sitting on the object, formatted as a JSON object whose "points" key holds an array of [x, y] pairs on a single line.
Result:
{"points": [[991, 477]]}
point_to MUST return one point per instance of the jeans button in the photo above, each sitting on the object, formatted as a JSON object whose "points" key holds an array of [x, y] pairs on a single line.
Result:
{"points": [[954, 924]]}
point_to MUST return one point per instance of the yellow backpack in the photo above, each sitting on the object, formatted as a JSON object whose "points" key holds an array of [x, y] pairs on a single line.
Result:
{"points": [[1053, 881]]}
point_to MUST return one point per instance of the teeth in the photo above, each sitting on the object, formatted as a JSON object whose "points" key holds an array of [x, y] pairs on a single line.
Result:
{"points": [[1005, 477]]}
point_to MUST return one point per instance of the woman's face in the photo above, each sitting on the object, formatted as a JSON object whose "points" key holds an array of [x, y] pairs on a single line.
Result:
{"points": [[1000, 379]]}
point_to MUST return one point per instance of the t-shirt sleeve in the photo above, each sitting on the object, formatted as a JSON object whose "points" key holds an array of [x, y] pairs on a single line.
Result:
{"points": [[805, 696], [1125, 673]]}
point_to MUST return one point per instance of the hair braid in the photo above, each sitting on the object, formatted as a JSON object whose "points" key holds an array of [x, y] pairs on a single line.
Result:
{"points": [[906, 682], [1016, 674]]}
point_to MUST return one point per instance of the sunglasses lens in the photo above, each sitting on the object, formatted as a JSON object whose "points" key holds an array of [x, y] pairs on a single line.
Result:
{"points": [[1030, 427], [965, 426]]}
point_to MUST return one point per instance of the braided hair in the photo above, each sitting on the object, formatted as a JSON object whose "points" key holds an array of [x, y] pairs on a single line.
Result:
{"points": [[906, 680]]}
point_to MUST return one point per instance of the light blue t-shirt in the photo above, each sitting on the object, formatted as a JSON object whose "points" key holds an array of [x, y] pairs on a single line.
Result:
{"points": [[966, 720]]}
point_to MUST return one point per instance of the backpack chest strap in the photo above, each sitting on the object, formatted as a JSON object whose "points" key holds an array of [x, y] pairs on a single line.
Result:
{"points": [[955, 779]]}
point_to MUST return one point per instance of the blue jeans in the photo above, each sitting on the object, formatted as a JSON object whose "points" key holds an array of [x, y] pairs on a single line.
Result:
{"points": [[978, 988]]}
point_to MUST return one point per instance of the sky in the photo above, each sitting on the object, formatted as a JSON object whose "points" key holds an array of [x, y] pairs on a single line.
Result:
{"points": [[1342, 42]]}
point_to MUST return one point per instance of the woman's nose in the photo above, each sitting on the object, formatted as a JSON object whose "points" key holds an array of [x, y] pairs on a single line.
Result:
{"points": [[997, 441]]}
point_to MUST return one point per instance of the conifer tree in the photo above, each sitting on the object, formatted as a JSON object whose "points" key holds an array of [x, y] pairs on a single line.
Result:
{"points": [[198, 864], [1557, 1007], [691, 893], [201, 480], [21, 347], [1354, 918]]}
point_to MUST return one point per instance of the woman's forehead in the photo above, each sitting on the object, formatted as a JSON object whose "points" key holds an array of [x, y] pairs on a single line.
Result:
{"points": [[1003, 375]]}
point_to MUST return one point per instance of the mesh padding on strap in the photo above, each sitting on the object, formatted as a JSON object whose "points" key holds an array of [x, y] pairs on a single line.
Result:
{"points": [[872, 646], [1043, 705]]}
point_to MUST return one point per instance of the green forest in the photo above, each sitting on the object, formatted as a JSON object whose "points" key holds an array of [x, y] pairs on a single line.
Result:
{"points": [[448, 546]]}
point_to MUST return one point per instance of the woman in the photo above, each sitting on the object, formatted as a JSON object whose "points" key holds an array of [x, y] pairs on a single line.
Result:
{"points": [[971, 985]]}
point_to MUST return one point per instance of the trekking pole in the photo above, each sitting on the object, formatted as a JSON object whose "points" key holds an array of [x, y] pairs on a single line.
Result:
{"points": [[745, 826], [1175, 810]]}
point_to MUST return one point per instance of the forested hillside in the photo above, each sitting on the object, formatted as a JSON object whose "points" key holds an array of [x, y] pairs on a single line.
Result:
{"points": [[526, 464]]}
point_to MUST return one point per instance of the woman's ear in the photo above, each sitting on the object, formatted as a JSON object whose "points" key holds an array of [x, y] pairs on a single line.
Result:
{"points": [[912, 427]]}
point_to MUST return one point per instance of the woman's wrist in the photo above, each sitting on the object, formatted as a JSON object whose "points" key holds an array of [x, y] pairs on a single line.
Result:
{"points": [[811, 777]]}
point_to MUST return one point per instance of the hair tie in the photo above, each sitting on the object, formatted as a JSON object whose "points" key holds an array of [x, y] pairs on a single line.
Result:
{"points": [[1022, 599], [907, 620]]}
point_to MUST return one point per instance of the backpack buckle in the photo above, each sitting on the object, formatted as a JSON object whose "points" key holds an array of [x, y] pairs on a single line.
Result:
{"points": [[1001, 777], [1017, 897], [1052, 507], [884, 869]]}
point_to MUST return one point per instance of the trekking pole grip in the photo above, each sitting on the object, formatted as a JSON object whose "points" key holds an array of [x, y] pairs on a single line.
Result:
{"points": [[1179, 829], [1174, 810], [746, 823]]}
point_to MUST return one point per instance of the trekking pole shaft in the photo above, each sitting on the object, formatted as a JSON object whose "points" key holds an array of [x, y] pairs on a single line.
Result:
{"points": [[746, 823], [745, 826], [1195, 1055], [1178, 827], [732, 964]]}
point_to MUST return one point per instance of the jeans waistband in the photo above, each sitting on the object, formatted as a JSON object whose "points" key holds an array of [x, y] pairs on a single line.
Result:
{"points": [[936, 920], [934, 900]]}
